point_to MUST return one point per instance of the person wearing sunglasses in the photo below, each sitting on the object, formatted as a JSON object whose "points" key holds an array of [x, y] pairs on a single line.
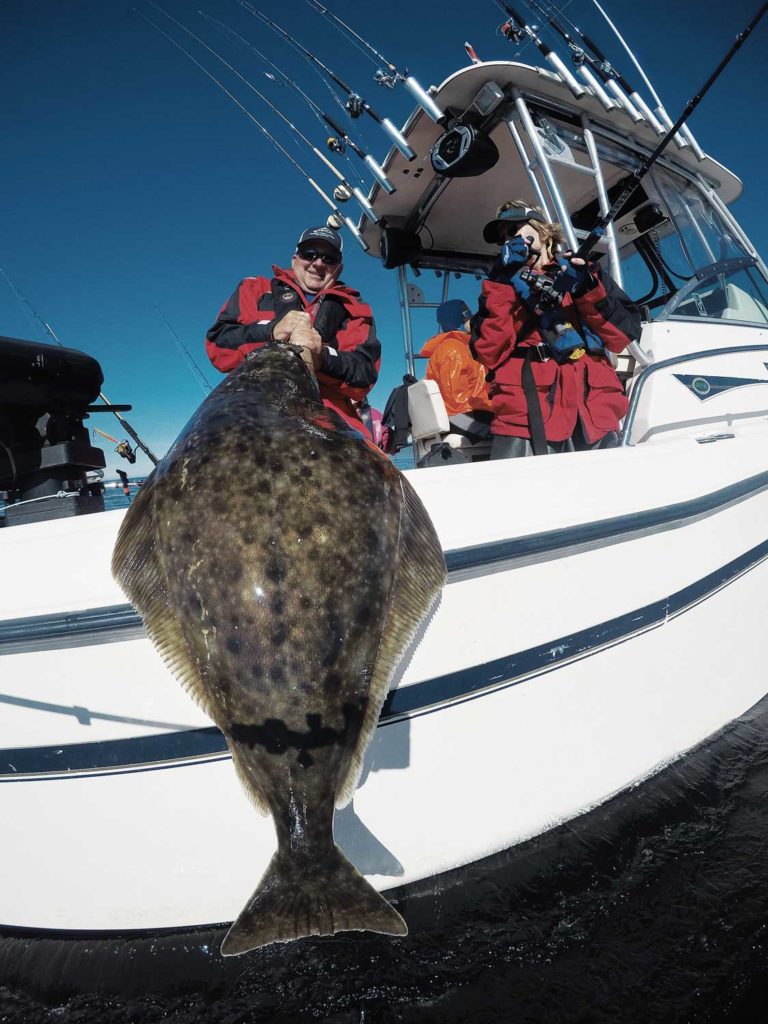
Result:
{"points": [[310, 306]]}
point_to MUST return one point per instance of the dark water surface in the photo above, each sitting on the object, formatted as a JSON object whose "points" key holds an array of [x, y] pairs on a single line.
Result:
{"points": [[653, 908]]}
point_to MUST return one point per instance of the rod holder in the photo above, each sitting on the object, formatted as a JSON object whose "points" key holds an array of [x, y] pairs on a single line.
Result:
{"points": [[576, 88], [647, 113], [624, 101], [666, 120], [423, 98], [398, 138], [597, 89], [364, 205], [353, 228], [378, 172], [698, 152]]}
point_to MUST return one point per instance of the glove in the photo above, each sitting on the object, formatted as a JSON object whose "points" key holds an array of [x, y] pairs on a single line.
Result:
{"points": [[514, 255], [574, 280]]}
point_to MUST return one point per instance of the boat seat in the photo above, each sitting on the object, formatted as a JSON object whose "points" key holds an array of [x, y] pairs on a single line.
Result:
{"points": [[740, 305], [430, 424]]}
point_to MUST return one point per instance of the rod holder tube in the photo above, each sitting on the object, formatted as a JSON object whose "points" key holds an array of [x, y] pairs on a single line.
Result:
{"points": [[354, 230], [668, 123], [364, 205], [423, 98], [398, 138], [647, 113], [597, 88], [698, 152], [576, 88], [624, 101], [378, 172]]}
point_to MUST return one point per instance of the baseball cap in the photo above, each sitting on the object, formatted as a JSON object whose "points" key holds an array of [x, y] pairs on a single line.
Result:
{"points": [[322, 234], [515, 215]]}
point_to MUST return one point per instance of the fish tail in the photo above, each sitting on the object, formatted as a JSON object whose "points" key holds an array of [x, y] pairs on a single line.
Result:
{"points": [[291, 903]]}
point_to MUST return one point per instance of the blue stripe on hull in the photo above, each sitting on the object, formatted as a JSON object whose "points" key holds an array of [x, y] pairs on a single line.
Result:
{"points": [[409, 701]]}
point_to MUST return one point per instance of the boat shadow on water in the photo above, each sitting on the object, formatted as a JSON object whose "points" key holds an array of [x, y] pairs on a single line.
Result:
{"points": [[649, 908]]}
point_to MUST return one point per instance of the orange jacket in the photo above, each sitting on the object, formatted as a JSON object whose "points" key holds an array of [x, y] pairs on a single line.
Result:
{"points": [[460, 378]]}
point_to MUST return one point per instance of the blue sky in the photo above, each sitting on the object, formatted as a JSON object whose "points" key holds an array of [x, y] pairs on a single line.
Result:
{"points": [[130, 182]]}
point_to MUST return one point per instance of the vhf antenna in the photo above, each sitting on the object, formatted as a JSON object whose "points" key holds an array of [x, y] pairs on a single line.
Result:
{"points": [[356, 106], [338, 142], [389, 75]]}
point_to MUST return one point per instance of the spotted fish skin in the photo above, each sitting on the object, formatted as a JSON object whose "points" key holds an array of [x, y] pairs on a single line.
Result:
{"points": [[282, 566]]}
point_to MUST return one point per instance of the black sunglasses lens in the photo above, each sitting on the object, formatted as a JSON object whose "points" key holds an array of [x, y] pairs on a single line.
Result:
{"points": [[313, 254]]}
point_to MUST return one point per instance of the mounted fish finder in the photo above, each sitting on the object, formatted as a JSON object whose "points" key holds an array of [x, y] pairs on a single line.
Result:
{"points": [[45, 394]]}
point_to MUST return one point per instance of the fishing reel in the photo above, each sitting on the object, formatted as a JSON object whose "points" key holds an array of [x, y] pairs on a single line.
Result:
{"points": [[355, 105], [336, 145], [385, 78], [578, 57], [512, 32], [125, 451], [342, 194], [544, 288]]}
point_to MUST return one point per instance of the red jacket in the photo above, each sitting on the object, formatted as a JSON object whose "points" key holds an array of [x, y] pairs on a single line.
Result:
{"points": [[459, 376], [351, 351], [586, 389]]}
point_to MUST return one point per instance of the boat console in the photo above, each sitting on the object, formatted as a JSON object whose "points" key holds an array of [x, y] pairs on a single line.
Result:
{"points": [[45, 451]]}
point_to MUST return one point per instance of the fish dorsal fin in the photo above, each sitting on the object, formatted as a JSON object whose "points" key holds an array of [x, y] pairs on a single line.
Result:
{"points": [[139, 571], [418, 580]]}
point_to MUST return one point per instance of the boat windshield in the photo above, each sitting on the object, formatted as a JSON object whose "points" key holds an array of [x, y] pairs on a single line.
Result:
{"points": [[685, 260]]}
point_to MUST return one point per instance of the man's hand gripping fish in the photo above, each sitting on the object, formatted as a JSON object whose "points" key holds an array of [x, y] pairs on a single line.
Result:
{"points": [[282, 566]]}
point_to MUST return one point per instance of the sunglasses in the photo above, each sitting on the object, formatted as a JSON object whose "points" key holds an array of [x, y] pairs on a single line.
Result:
{"points": [[310, 255]]}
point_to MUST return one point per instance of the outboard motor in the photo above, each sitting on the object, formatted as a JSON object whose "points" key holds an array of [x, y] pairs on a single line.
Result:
{"points": [[45, 394]]}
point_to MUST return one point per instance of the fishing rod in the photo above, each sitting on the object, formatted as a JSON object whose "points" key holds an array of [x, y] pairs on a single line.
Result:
{"points": [[389, 77], [355, 105], [516, 29], [624, 94], [338, 142], [191, 361], [339, 217], [686, 136], [278, 77], [597, 232], [115, 410], [347, 189]]}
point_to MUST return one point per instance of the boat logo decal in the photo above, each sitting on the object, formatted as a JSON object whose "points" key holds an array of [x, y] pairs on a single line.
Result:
{"points": [[705, 387]]}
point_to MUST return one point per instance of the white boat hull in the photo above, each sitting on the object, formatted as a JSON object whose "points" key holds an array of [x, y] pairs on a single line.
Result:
{"points": [[603, 615]]}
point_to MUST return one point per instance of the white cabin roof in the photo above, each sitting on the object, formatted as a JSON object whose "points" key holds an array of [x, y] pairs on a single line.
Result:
{"points": [[452, 212]]}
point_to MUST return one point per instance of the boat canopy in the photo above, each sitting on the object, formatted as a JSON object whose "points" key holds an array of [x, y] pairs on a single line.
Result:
{"points": [[568, 155]]}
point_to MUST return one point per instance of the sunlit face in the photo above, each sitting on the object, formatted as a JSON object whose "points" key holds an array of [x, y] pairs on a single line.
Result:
{"points": [[312, 274]]}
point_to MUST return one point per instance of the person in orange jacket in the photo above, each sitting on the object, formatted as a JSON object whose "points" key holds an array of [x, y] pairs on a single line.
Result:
{"points": [[459, 376]]}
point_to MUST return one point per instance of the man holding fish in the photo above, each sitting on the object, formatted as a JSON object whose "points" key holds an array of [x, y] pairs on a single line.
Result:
{"points": [[309, 306]]}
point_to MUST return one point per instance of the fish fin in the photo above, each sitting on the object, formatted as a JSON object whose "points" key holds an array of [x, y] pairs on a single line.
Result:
{"points": [[252, 791], [418, 580], [138, 571], [290, 904]]}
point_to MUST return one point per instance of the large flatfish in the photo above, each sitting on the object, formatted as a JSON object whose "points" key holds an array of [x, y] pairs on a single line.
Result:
{"points": [[282, 566]]}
